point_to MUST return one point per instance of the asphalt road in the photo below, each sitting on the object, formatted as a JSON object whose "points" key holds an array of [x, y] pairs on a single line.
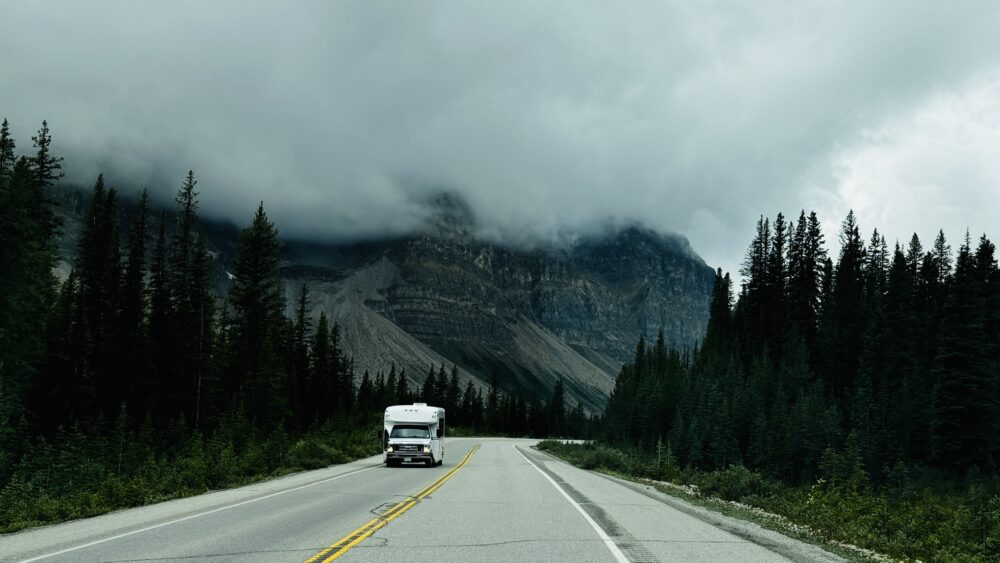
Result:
{"points": [[492, 500]]}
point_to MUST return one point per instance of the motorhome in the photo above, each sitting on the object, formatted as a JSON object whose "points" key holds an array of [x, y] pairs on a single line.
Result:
{"points": [[413, 434]]}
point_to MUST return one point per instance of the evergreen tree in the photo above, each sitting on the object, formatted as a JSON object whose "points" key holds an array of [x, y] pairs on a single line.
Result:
{"points": [[298, 370], [402, 389], [557, 409], [193, 304], [256, 297], [344, 366], [752, 314], [98, 266], [366, 393], [392, 387], [161, 332], [942, 257], [46, 169], [440, 387], [322, 382], [27, 256], [7, 159], [134, 362], [775, 312], [719, 332], [64, 389], [453, 394], [847, 323], [963, 393], [427, 391], [493, 405], [467, 411]]}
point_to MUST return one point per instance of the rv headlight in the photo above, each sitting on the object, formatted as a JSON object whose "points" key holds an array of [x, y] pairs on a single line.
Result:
{"points": [[389, 449], [427, 449]]}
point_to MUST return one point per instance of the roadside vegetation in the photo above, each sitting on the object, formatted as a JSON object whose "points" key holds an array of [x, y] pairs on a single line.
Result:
{"points": [[86, 473]]}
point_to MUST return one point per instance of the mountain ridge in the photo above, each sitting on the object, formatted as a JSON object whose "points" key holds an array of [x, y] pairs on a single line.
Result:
{"points": [[447, 294]]}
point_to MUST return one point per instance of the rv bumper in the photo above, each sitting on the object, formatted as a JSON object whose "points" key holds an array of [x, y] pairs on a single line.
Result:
{"points": [[407, 456]]}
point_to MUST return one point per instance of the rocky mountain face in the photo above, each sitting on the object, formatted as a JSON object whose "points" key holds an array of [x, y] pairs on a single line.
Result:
{"points": [[532, 316]]}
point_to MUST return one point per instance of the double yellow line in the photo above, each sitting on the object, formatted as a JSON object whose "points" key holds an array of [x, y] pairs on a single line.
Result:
{"points": [[352, 539]]}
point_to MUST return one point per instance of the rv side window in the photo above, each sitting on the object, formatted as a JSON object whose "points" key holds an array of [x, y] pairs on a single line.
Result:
{"points": [[409, 431], [440, 430]]}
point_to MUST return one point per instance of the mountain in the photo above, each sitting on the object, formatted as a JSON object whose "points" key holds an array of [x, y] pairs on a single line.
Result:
{"points": [[531, 315]]}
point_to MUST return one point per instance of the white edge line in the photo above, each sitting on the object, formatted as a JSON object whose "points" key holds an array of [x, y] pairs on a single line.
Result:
{"points": [[608, 542], [193, 516]]}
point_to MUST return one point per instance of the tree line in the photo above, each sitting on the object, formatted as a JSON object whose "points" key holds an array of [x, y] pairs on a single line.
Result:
{"points": [[855, 369], [138, 336]]}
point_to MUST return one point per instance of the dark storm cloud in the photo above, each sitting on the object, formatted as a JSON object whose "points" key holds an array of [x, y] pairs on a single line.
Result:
{"points": [[550, 118]]}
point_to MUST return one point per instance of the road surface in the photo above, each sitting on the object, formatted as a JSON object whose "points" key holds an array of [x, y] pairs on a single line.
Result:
{"points": [[492, 500]]}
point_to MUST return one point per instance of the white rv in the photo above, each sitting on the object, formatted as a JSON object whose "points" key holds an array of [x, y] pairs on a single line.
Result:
{"points": [[413, 433]]}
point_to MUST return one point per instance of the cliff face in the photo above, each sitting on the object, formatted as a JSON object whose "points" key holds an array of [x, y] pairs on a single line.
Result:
{"points": [[533, 316]]}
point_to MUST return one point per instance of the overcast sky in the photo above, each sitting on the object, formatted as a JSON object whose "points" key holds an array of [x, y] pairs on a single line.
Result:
{"points": [[551, 118]]}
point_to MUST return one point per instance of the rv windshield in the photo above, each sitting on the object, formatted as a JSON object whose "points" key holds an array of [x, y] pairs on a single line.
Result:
{"points": [[410, 432]]}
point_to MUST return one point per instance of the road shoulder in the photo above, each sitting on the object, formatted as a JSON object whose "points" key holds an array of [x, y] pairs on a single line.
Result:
{"points": [[771, 540]]}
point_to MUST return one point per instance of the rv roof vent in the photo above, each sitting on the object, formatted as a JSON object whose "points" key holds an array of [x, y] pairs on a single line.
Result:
{"points": [[420, 404]]}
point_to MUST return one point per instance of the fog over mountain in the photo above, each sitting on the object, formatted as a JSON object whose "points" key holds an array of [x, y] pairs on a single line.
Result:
{"points": [[551, 120]]}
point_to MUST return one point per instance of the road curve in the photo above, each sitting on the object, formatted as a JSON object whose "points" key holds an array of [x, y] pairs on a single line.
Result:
{"points": [[492, 500]]}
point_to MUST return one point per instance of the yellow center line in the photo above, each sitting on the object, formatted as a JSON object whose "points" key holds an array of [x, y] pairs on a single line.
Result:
{"points": [[352, 539]]}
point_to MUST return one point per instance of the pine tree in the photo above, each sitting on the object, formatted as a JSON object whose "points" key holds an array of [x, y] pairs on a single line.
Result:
{"points": [[719, 332], [27, 256], [322, 383], [46, 169], [391, 387], [366, 393], [256, 297], [847, 323], [752, 315], [775, 297], [193, 306], [493, 405], [942, 257], [427, 391], [161, 333], [7, 159], [440, 387], [453, 394], [99, 268], [403, 389], [963, 393], [344, 372], [467, 412], [134, 364], [65, 389], [298, 369], [557, 409]]}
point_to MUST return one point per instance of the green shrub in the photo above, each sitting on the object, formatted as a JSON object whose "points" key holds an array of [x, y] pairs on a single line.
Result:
{"points": [[735, 483], [310, 453]]}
